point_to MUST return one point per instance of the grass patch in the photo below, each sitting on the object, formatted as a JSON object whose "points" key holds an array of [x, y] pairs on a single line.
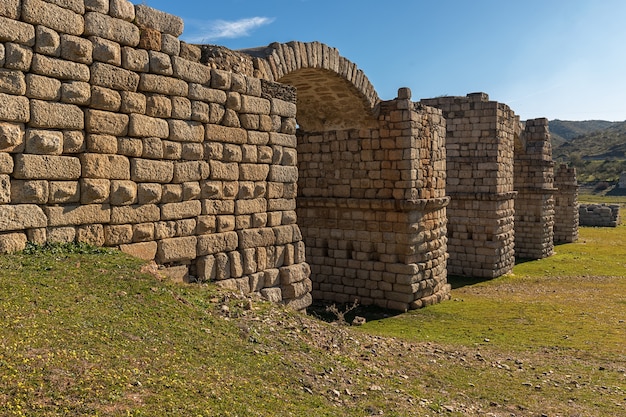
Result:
{"points": [[86, 332]]}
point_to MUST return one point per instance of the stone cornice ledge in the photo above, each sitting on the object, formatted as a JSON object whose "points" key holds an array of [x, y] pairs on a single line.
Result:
{"points": [[373, 204]]}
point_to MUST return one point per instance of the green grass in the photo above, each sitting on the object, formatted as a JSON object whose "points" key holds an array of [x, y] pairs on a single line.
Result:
{"points": [[86, 333]]}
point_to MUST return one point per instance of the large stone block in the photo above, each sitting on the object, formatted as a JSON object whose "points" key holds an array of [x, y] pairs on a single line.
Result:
{"points": [[21, 216], [98, 121], [12, 82], [14, 108], [252, 238], [63, 192], [176, 249], [14, 31], [75, 215], [59, 68], [145, 126], [190, 171], [44, 142], [29, 192], [144, 250], [182, 210], [136, 60], [255, 105], [189, 71], [146, 16], [117, 30], [52, 115], [203, 93], [186, 131], [160, 84], [48, 41], [39, 12], [11, 9], [122, 9], [224, 171], [225, 134], [11, 137], [46, 167], [123, 192], [43, 88], [92, 234], [109, 76], [106, 51], [135, 214], [74, 48], [12, 242], [76, 92], [217, 243], [284, 174], [105, 166], [144, 170], [6, 163]]}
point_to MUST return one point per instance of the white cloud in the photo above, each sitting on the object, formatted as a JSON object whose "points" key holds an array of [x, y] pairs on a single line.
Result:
{"points": [[223, 29]]}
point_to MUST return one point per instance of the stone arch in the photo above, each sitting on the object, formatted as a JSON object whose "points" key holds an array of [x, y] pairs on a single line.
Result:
{"points": [[333, 93]]}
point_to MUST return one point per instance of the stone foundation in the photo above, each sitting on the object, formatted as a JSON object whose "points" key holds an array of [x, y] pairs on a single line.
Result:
{"points": [[566, 205]]}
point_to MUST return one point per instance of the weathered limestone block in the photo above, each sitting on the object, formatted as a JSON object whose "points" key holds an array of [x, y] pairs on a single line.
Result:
{"points": [[189, 71], [132, 102], [176, 249], [15, 31], [155, 19], [12, 242], [144, 170], [186, 131], [12, 82], [282, 108], [17, 57], [47, 41], [21, 216], [225, 134], [6, 163], [285, 174], [77, 6], [60, 234], [11, 9], [105, 166], [106, 51], [116, 30], [150, 39], [224, 171], [255, 105], [210, 95], [160, 84], [300, 303], [143, 250], [76, 92], [190, 171], [158, 106], [182, 210], [160, 63], [63, 192], [118, 234], [38, 12], [92, 234], [258, 205], [252, 238], [29, 192], [74, 215], [73, 48], [44, 142], [253, 172], [297, 289], [105, 99], [100, 6], [14, 108], [143, 232], [192, 151], [181, 108], [5, 189], [136, 60], [170, 45], [122, 9], [109, 76], [46, 167], [145, 126], [98, 121], [43, 88], [51, 115], [217, 243], [102, 144], [123, 192], [73, 141], [135, 214], [11, 137]]}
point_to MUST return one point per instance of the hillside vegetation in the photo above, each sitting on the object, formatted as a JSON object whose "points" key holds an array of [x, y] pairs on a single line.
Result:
{"points": [[94, 332], [596, 148]]}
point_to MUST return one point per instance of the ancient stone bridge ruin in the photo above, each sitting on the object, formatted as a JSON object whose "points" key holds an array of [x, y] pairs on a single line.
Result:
{"points": [[276, 170]]}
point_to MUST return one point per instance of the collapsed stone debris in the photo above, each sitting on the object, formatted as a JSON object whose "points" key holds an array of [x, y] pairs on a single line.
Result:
{"points": [[276, 170]]}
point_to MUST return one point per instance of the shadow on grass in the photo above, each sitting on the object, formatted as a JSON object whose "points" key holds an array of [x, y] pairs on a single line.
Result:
{"points": [[459, 282]]}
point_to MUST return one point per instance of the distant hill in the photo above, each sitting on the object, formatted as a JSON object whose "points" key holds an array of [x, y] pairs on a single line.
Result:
{"points": [[596, 148]]}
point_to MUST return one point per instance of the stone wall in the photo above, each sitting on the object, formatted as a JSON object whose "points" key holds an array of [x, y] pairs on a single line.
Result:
{"points": [[566, 205], [479, 145], [372, 209], [534, 183], [113, 133], [599, 215]]}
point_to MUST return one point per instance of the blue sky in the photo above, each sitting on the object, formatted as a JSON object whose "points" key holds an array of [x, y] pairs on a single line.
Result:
{"points": [[561, 59]]}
